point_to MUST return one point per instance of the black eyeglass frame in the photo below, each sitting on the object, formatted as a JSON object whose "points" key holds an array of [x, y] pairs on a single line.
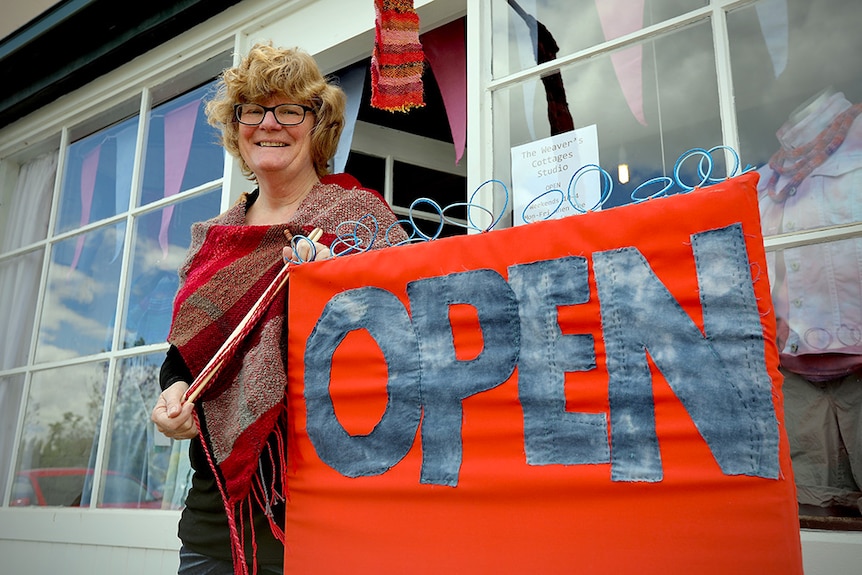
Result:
{"points": [[236, 107]]}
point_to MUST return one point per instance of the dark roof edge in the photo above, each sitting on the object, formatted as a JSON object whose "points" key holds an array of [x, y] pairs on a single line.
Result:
{"points": [[78, 41], [40, 26]]}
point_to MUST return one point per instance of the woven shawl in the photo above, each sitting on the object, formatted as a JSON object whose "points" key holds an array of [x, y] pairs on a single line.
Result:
{"points": [[228, 266]]}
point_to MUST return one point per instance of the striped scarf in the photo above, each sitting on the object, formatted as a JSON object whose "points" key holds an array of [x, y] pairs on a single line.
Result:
{"points": [[397, 60]]}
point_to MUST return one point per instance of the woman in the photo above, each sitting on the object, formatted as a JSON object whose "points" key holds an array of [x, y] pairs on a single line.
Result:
{"points": [[281, 118]]}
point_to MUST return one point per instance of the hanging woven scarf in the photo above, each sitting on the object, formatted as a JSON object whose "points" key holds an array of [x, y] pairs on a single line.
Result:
{"points": [[397, 60]]}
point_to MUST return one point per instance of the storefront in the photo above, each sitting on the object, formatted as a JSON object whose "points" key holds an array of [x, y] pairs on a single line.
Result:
{"points": [[100, 184]]}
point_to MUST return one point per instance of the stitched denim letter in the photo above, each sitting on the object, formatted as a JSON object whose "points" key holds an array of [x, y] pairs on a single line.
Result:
{"points": [[384, 316], [749, 445], [446, 381], [720, 379], [551, 434]]}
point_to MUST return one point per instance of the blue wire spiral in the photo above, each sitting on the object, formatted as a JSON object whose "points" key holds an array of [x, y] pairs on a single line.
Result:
{"points": [[349, 234]]}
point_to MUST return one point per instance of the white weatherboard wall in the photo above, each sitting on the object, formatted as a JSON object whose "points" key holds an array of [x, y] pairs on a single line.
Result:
{"points": [[49, 541]]}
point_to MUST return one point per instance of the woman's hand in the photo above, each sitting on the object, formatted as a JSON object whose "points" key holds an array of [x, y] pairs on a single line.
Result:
{"points": [[172, 417], [304, 251]]}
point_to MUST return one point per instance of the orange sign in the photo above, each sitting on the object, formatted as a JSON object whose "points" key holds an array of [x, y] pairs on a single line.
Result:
{"points": [[596, 394]]}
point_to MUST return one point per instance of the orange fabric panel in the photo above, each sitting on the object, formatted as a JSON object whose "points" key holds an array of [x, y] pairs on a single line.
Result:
{"points": [[505, 515]]}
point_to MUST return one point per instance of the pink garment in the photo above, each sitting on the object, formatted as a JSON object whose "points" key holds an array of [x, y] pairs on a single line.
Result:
{"points": [[817, 289]]}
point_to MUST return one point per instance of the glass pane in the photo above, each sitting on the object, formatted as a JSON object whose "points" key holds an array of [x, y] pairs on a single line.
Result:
{"points": [[81, 298], [11, 392], [527, 31], [138, 457], [60, 434], [799, 105], [183, 150], [19, 279], [680, 111], [369, 170], [778, 74], [97, 180], [412, 182], [817, 295], [161, 240]]}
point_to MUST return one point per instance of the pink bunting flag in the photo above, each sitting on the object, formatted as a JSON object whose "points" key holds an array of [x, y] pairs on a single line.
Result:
{"points": [[618, 18], [446, 51], [179, 129], [88, 185]]}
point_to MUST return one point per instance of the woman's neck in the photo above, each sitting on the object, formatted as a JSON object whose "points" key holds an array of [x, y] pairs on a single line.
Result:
{"points": [[279, 200]]}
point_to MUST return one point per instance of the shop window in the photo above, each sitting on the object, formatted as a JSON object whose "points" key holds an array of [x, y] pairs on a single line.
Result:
{"points": [[60, 431], [797, 101], [126, 204], [527, 30], [546, 129]]}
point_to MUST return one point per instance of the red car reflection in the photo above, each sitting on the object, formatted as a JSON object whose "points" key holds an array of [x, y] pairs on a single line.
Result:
{"points": [[63, 486]]}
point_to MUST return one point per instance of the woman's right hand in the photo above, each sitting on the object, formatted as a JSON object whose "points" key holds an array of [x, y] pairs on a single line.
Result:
{"points": [[172, 417]]}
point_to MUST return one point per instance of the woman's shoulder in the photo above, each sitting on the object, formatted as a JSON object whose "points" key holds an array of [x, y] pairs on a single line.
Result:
{"points": [[347, 183]]}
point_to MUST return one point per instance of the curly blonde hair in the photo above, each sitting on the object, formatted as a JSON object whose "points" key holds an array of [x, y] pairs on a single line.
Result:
{"points": [[265, 72]]}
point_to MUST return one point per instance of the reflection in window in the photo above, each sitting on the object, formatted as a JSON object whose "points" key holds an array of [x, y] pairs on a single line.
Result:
{"points": [[800, 121], [160, 243], [680, 112], [97, 181], [60, 430], [574, 25], [139, 460], [81, 298], [11, 393]]}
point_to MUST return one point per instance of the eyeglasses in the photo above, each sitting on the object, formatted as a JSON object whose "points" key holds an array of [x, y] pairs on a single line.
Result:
{"points": [[284, 114]]}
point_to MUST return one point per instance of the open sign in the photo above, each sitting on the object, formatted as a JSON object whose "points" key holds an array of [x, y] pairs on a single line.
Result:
{"points": [[595, 393]]}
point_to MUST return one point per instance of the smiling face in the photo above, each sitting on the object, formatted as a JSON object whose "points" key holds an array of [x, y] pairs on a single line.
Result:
{"points": [[271, 149]]}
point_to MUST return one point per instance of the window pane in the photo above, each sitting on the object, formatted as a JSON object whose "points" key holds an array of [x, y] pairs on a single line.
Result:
{"points": [[369, 170], [412, 182], [161, 240], [60, 432], [680, 107], [525, 29], [138, 456], [11, 391], [19, 281], [81, 298], [97, 179], [183, 150], [29, 203], [776, 76], [797, 96]]}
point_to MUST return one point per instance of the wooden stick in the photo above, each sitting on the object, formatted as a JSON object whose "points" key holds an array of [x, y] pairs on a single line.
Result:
{"points": [[228, 348]]}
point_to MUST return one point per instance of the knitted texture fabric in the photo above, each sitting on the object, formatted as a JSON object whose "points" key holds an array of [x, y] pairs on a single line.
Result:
{"points": [[228, 267], [397, 60]]}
